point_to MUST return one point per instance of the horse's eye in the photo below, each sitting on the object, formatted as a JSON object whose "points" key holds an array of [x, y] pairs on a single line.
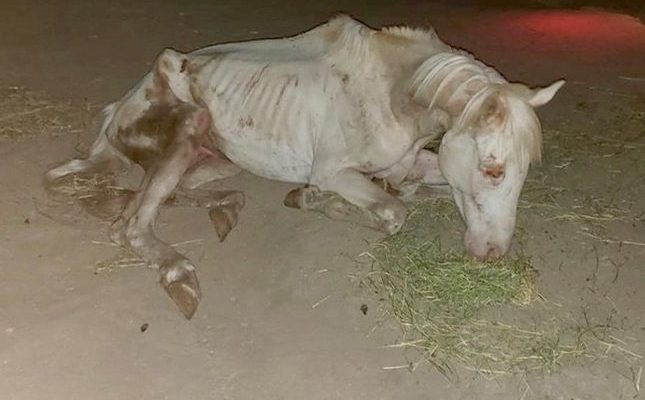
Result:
{"points": [[494, 173]]}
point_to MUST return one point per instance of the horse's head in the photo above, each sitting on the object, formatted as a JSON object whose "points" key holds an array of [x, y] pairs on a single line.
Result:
{"points": [[485, 157]]}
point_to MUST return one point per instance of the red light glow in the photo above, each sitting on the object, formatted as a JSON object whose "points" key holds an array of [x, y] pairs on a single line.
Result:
{"points": [[587, 26], [580, 45], [589, 37]]}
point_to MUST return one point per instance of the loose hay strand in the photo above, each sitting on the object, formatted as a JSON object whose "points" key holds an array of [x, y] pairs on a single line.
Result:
{"points": [[125, 259]]}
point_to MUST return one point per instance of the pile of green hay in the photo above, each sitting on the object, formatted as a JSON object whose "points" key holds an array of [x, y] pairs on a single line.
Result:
{"points": [[457, 312]]}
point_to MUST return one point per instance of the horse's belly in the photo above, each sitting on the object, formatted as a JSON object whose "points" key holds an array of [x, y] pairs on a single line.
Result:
{"points": [[264, 157]]}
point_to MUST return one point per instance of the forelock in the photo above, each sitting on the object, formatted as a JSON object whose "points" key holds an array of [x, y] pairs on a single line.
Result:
{"points": [[519, 134]]}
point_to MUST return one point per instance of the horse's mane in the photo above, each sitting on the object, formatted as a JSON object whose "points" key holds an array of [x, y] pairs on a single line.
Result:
{"points": [[346, 22], [457, 81], [427, 35]]}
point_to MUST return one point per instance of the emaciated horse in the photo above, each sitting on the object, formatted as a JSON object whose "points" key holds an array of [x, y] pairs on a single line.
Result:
{"points": [[332, 108]]}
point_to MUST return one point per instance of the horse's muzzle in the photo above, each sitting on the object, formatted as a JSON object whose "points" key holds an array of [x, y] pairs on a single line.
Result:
{"points": [[484, 250]]}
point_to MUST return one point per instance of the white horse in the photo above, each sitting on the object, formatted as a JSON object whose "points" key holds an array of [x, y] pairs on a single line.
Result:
{"points": [[332, 108]]}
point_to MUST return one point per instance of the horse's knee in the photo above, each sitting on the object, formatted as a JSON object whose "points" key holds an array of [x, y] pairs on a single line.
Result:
{"points": [[392, 215], [135, 234]]}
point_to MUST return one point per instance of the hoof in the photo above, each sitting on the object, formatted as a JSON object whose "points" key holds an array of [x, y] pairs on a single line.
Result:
{"points": [[224, 219], [297, 197], [185, 297], [392, 216], [293, 199], [181, 284]]}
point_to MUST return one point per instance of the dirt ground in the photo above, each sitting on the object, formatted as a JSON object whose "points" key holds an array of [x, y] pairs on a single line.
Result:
{"points": [[281, 315]]}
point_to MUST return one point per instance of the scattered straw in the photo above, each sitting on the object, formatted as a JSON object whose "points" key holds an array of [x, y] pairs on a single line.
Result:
{"points": [[637, 379], [188, 242], [125, 259], [24, 113], [614, 241], [97, 194], [319, 302], [82, 186]]}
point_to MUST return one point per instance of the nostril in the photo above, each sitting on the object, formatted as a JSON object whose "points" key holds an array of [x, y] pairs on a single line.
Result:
{"points": [[486, 250]]}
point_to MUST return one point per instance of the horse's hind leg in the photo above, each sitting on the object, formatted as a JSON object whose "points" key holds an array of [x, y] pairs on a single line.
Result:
{"points": [[102, 160], [135, 228], [178, 276], [89, 182], [351, 196], [102, 156], [215, 167], [223, 207]]}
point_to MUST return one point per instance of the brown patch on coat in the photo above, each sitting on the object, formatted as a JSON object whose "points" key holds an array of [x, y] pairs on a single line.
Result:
{"points": [[494, 111], [159, 127]]}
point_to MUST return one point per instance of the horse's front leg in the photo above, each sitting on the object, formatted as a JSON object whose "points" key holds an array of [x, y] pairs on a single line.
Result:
{"points": [[351, 196], [223, 207], [426, 169], [425, 175]]}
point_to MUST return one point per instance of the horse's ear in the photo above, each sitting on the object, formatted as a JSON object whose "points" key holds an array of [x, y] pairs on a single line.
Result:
{"points": [[493, 111], [540, 96]]}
